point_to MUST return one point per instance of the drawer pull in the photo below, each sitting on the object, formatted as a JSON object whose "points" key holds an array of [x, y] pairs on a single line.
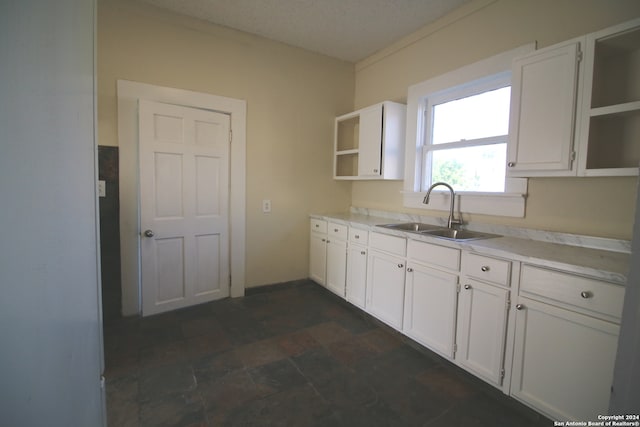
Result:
{"points": [[485, 268], [357, 236], [409, 269], [363, 253], [586, 294], [335, 230], [519, 306], [324, 240], [400, 265], [467, 286], [317, 225]]}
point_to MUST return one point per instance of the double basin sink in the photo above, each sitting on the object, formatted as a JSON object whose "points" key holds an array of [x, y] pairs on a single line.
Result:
{"points": [[436, 231]]}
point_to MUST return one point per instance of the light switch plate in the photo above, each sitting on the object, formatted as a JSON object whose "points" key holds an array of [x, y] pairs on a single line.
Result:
{"points": [[102, 188]]}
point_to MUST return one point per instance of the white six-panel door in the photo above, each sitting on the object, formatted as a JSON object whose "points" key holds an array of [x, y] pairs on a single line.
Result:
{"points": [[184, 208]]}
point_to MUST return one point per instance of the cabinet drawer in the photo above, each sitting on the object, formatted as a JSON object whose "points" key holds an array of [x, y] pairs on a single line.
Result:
{"points": [[318, 225], [358, 236], [434, 254], [392, 244], [337, 231], [486, 268], [586, 294]]}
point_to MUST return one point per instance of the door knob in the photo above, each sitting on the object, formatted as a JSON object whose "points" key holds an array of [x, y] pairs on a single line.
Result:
{"points": [[148, 233]]}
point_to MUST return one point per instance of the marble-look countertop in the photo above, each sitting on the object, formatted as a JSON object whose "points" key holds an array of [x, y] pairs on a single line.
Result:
{"points": [[604, 259]]}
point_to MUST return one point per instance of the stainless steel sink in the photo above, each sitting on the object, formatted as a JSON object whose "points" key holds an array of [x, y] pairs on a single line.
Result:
{"points": [[452, 234], [411, 226]]}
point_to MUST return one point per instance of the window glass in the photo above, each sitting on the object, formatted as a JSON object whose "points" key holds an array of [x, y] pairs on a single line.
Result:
{"points": [[480, 168], [473, 117]]}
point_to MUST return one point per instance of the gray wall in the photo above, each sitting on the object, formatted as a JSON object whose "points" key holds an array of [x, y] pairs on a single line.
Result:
{"points": [[625, 396], [50, 327]]}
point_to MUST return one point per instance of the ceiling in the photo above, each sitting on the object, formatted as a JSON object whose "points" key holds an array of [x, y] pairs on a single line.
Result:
{"points": [[349, 30]]}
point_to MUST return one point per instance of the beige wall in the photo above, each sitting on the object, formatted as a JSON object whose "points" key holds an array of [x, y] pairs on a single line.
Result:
{"points": [[593, 206], [292, 99]]}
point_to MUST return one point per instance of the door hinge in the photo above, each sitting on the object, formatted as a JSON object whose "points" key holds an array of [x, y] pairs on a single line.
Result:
{"points": [[579, 57], [502, 374], [573, 156], [455, 348], [508, 304], [230, 135], [458, 288]]}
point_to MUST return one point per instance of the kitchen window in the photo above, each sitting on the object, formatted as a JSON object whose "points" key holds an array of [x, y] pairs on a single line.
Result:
{"points": [[458, 130], [465, 141]]}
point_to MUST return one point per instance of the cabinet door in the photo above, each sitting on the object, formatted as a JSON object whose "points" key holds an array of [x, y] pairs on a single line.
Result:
{"points": [[318, 257], [482, 326], [385, 287], [430, 308], [357, 275], [336, 265], [563, 361], [370, 142], [543, 111]]}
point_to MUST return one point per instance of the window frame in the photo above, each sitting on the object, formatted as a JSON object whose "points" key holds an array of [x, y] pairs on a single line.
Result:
{"points": [[478, 87], [511, 202]]}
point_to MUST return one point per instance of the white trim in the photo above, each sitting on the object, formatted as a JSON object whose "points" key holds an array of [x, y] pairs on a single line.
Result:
{"points": [[128, 95], [503, 204], [508, 204]]}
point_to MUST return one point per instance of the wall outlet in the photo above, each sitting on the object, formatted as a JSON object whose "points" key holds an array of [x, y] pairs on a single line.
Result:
{"points": [[102, 188], [266, 206]]}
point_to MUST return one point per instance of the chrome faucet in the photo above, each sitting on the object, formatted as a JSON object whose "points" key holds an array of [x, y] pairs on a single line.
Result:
{"points": [[452, 221]]}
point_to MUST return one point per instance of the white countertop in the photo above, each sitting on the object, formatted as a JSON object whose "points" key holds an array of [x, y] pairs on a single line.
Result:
{"points": [[601, 264]]}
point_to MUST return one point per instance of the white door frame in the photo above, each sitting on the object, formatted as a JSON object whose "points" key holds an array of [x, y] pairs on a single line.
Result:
{"points": [[128, 95]]}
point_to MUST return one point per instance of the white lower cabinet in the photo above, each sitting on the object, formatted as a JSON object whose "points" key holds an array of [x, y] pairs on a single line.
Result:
{"points": [[553, 348], [430, 308], [336, 266], [385, 278], [357, 275], [566, 338], [318, 251], [385, 287], [328, 255], [482, 329], [563, 361]]}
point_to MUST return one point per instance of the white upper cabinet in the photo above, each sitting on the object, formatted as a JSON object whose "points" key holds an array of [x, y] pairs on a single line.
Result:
{"points": [[575, 107], [543, 106], [369, 143], [610, 126]]}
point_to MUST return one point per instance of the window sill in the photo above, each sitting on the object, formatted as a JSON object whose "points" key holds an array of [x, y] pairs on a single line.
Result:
{"points": [[498, 204]]}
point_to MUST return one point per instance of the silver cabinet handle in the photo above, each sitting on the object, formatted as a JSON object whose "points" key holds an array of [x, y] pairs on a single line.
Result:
{"points": [[485, 268], [375, 171], [586, 294], [409, 269], [400, 265], [511, 164], [519, 306], [467, 286], [148, 233], [357, 236], [363, 253]]}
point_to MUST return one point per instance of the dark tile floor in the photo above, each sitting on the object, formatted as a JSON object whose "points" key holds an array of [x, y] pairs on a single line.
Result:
{"points": [[288, 355]]}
